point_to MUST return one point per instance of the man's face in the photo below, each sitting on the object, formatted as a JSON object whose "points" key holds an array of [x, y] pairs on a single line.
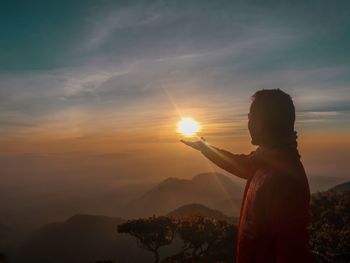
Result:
{"points": [[254, 127]]}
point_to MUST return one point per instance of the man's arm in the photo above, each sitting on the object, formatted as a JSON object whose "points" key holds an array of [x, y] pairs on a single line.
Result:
{"points": [[240, 165]]}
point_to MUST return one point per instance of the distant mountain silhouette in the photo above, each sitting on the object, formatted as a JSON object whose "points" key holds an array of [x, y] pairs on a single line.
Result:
{"points": [[80, 239], [55, 206], [197, 210], [230, 206], [345, 187], [323, 183], [207, 188]]}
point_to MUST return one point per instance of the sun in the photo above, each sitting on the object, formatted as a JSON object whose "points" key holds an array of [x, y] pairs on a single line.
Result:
{"points": [[188, 126]]}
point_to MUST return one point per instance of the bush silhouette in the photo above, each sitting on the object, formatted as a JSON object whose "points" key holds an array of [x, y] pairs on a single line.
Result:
{"points": [[204, 239], [150, 233], [330, 226]]}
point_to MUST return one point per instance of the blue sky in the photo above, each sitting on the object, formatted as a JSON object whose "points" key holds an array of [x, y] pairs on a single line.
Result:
{"points": [[89, 69], [99, 55]]}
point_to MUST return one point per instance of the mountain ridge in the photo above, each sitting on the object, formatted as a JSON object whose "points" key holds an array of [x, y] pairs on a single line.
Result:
{"points": [[197, 210], [80, 238], [344, 187], [171, 193]]}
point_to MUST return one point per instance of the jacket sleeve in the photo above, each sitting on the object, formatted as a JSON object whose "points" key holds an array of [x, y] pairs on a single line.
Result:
{"points": [[240, 165]]}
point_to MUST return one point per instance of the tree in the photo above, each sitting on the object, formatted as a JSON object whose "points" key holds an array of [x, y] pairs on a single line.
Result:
{"points": [[205, 240], [150, 233]]}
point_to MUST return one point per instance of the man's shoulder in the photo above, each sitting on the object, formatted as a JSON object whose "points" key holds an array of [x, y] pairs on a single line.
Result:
{"points": [[276, 178]]}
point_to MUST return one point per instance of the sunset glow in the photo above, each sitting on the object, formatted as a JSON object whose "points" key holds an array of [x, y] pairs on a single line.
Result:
{"points": [[110, 110], [188, 126]]}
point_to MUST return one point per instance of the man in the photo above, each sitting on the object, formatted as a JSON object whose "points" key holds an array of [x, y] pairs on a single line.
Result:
{"points": [[275, 209]]}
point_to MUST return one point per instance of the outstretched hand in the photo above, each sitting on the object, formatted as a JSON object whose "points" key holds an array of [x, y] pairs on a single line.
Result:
{"points": [[197, 145]]}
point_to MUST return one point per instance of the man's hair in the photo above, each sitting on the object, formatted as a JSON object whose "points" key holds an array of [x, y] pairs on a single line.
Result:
{"points": [[276, 110]]}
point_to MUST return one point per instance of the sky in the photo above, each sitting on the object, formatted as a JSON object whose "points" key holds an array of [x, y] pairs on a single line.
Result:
{"points": [[90, 91]]}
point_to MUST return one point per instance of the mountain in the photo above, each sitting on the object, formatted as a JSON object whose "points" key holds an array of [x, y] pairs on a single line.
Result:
{"points": [[229, 206], [55, 205], [206, 188], [80, 239], [197, 210], [345, 187], [322, 183]]}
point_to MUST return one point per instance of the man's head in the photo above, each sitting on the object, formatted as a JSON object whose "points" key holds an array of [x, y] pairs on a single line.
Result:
{"points": [[271, 118]]}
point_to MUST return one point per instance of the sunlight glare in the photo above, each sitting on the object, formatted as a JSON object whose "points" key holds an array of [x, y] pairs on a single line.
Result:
{"points": [[188, 126]]}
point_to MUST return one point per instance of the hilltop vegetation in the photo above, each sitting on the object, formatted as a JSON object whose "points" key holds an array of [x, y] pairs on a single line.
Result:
{"points": [[330, 225], [204, 239]]}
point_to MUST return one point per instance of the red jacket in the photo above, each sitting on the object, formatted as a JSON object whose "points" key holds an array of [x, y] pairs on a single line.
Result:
{"points": [[275, 209]]}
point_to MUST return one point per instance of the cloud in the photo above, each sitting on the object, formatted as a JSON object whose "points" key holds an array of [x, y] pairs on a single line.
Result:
{"points": [[131, 62], [16, 124], [79, 98]]}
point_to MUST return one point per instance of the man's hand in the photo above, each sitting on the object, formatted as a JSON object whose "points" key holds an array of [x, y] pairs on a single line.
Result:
{"points": [[197, 145]]}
